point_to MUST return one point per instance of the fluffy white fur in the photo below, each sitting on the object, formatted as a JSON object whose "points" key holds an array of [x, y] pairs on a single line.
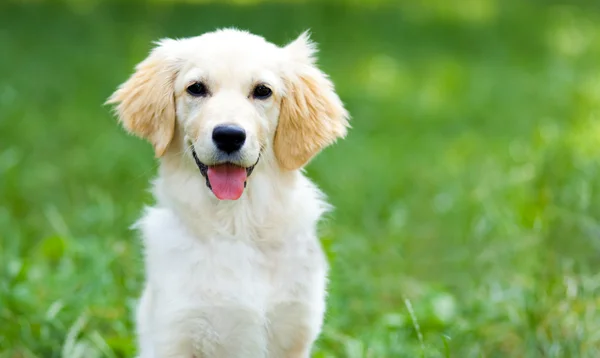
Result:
{"points": [[243, 278]]}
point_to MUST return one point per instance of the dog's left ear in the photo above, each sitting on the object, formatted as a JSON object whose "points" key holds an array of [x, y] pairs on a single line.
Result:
{"points": [[146, 102], [312, 115]]}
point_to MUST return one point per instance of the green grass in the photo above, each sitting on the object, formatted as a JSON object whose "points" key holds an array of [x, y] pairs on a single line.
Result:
{"points": [[467, 194]]}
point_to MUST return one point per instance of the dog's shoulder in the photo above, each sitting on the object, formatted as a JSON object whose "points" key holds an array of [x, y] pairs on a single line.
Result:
{"points": [[161, 230]]}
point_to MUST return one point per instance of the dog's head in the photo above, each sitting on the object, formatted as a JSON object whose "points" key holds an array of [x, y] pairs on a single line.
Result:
{"points": [[232, 96]]}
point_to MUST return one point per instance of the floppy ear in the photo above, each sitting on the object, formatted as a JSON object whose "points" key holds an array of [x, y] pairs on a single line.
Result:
{"points": [[312, 115], [146, 102]]}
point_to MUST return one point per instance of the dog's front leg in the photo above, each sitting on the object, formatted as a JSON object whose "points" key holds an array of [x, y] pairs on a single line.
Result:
{"points": [[294, 326], [159, 336], [143, 318], [238, 332]]}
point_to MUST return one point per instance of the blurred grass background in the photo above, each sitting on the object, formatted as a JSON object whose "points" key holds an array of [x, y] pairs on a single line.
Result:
{"points": [[467, 194]]}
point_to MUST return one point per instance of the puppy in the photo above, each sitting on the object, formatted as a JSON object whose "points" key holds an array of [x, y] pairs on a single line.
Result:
{"points": [[233, 264]]}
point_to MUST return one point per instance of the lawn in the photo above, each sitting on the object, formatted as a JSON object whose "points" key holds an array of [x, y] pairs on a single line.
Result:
{"points": [[467, 194]]}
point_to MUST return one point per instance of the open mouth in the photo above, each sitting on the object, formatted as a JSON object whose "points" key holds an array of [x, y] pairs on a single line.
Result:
{"points": [[226, 180]]}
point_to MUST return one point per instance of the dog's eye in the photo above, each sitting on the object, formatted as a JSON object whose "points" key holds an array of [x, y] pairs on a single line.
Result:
{"points": [[261, 92], [197, 89]]}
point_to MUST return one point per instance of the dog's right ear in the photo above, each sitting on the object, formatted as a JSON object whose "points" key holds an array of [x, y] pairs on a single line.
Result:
{"points": [[145, 103]]}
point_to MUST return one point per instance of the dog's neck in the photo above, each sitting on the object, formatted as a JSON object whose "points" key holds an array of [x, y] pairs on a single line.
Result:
{"points": [[272, 197]]}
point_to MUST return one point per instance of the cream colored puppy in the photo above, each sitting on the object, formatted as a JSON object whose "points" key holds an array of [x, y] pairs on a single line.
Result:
{"points": [[233, 263]]}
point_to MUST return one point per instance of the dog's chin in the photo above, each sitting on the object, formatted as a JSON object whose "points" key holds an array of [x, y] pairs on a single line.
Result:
{"points": [[226, 180]]}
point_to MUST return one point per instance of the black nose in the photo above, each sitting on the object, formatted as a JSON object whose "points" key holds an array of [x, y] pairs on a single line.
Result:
{"points": [[229, 138]]}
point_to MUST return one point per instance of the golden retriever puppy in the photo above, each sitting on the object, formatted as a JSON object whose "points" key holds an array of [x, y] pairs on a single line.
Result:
{"points": [[233, 264]]}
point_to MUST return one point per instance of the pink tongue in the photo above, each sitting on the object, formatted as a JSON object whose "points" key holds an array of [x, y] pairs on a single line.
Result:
{"points": [[227, 181]]}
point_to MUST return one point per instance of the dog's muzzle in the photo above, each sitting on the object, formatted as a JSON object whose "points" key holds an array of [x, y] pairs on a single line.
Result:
{"points": [[204, 169]]}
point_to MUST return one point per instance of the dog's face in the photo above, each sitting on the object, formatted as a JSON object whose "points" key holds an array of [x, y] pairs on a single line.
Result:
{"points": [[232, 96]]}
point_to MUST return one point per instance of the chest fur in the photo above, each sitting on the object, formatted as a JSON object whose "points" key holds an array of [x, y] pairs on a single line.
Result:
{"points": [[221, 270], [232, 297]]}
